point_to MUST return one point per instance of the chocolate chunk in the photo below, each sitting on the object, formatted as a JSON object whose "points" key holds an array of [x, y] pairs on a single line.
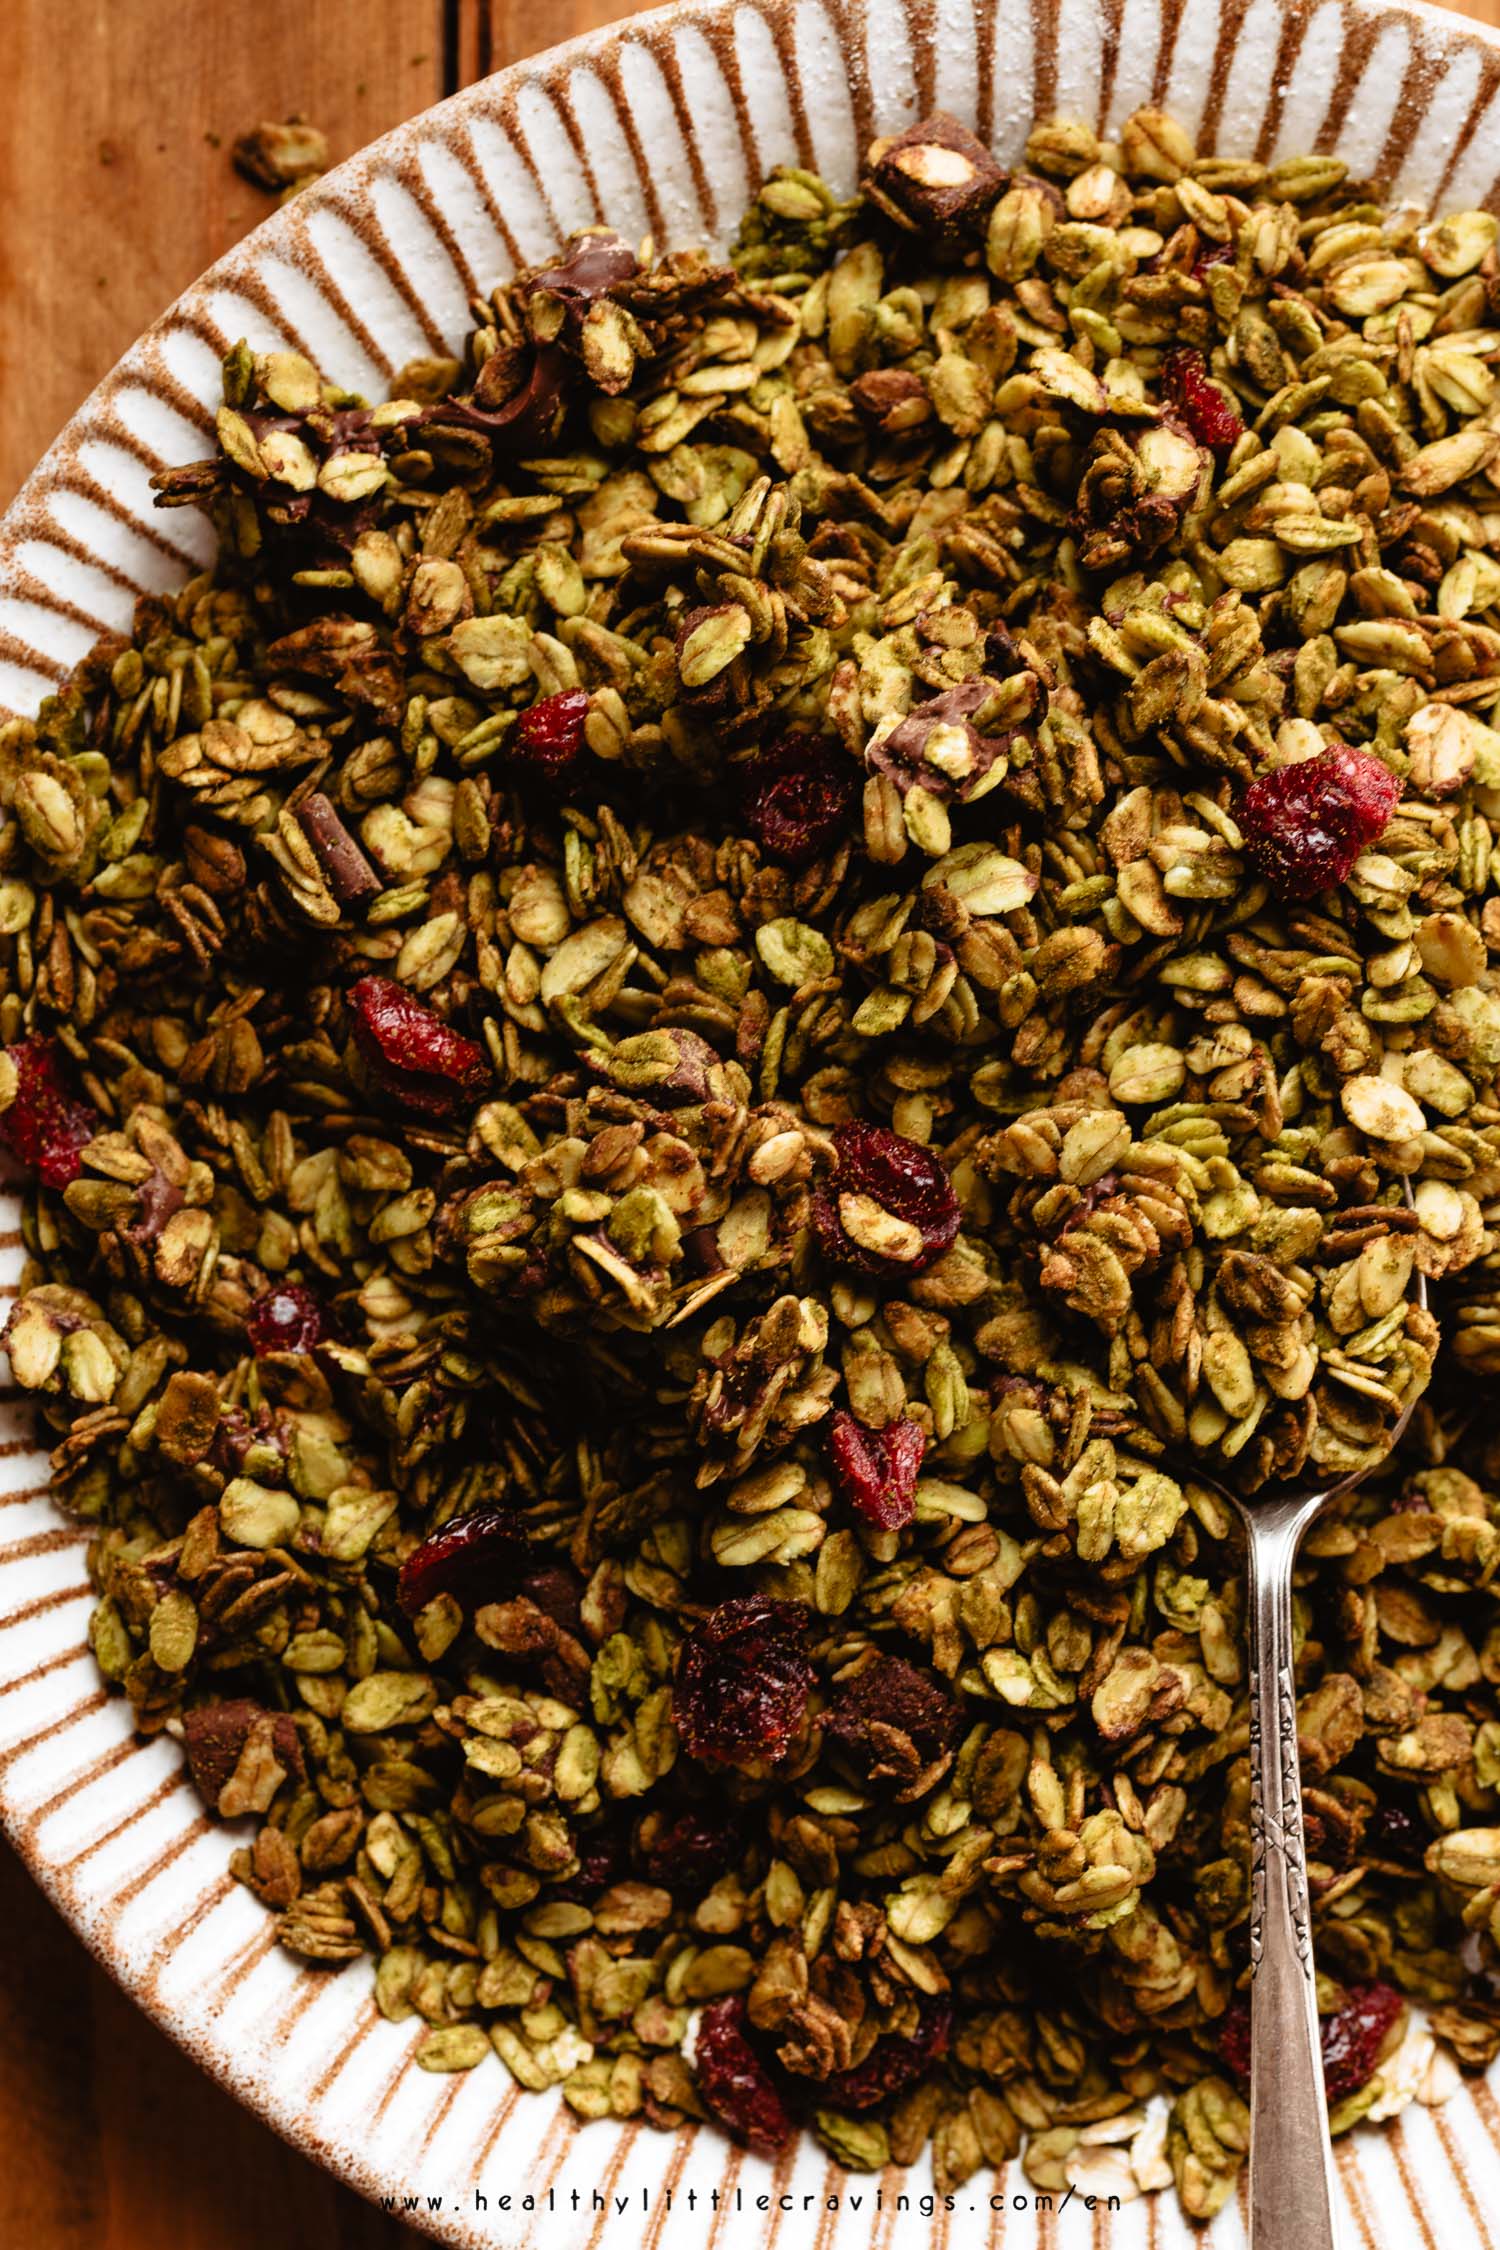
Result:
{"points": [[521, 408], [590, 267], [215, 1735], [351, 878], [939, 745], [936, 179], [157, 1200]]}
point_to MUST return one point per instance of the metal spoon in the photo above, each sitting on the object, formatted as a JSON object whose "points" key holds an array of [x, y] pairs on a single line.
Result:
{"points": [[1291, 2155]]}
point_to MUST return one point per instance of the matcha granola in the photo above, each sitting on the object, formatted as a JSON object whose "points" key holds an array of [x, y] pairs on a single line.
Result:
{"points": [[748, 962]]}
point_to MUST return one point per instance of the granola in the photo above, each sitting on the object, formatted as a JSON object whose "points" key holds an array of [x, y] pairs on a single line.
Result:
{"points": [[748, 959]]}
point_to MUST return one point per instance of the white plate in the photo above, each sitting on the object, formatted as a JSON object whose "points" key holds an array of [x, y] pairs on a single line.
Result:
{"points": [[666, 122]]}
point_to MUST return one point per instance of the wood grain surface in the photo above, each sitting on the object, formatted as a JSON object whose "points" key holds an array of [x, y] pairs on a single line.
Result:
{"points": [[116, 119]]}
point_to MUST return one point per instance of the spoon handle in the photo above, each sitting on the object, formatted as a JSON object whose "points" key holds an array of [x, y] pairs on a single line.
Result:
{"points": [[1291, 2158]]}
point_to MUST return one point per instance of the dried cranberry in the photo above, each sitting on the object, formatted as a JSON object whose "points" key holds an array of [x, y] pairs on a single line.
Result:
{"points": [[798, 799], [46, 1127], [743, 1679], [893, 1724], [478, 1558], [556, 1590], [411, 1052], [288, 1318], [1234, 2041], [735, 2083], [906, 1181], [548, 739], [892, 2062], [1216, 254], [1353, 2037], [1393, 1833], [876, 1470], [603, 1858], [1202, 405], [684, 1848], [1305, 825]]}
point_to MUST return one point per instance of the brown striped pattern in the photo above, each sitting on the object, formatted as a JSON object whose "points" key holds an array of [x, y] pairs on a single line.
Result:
{"points": [[665, 124]]}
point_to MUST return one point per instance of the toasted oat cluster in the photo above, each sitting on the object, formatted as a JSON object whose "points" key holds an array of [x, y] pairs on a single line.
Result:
{"points": [[750, 964]]}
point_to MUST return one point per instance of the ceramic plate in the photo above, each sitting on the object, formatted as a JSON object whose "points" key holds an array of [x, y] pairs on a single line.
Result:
{"points": [[663, 124]]}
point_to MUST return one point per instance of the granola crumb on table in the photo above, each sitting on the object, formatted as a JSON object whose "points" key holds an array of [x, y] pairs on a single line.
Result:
{"points": [[745, 956]]}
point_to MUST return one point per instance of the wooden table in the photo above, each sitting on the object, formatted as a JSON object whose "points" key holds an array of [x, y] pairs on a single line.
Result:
{"points": [[116, 118]]}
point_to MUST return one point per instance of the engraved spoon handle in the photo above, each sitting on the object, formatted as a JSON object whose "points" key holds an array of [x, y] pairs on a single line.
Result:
{"points": [[1291, 2157]]}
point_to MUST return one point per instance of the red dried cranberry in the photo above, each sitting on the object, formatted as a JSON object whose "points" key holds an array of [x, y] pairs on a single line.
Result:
{"points": [[735, 2083], [743, 1679], [892, 2062], [876, 1470], [907, 1182], [602, 1859], [46, 1127], [556, 1591], [1217, 254], [684, 1848], [1354, 2035], [288, 1318], [1351, 2038], [548, 739], [478, 1558], [411, 1052], [892, 1724], [1198, 399], [798, 799], [1234, 2041], [1305, 825]]}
